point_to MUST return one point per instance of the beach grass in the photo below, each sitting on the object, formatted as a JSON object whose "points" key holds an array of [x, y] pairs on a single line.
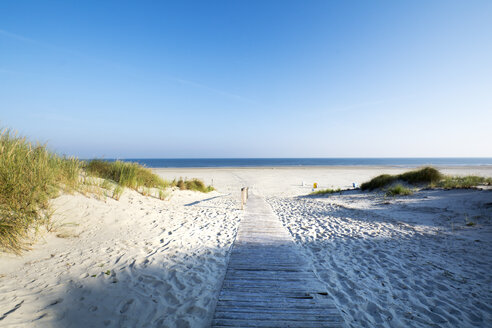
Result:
{"points": [[30, 176], [379, 182], [427, 176], [326, 191], [125, 174], [138, 177], [398, 190], [461, 182], [193, 184]]}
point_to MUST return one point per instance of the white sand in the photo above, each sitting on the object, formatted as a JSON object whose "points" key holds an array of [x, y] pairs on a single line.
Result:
{"points": [[402, 262], [387, 262], [165, 260]]}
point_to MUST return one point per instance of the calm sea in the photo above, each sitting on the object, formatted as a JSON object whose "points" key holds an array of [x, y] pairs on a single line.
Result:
{"points": [[262, 162]]}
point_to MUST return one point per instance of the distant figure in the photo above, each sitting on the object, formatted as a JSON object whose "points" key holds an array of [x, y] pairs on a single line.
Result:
{"points": [[315, 185], [354, 184]]}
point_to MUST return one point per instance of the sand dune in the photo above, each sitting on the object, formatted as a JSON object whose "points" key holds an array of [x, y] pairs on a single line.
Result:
{"points": [[134, 262]]}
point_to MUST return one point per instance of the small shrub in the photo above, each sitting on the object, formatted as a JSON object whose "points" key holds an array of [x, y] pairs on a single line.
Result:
{"points": [[117, 192], [163, 194], [181, 184], [326, 191], [398, 190], [193, 184], [105, 184], [145, 191]]}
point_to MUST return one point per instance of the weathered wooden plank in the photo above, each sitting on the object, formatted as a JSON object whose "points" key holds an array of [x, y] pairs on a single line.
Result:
{"points": [[271, 323], [231, 292], [279, 287], [277, 316], [284, 304], [259, 281], [290, 310], [268, 283]]}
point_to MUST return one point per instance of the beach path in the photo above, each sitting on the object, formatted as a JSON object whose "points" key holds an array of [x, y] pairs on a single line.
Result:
{"points": [[268, 282]]}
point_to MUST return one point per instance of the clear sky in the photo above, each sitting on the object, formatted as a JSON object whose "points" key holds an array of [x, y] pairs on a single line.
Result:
{"points": [[249, 78]]}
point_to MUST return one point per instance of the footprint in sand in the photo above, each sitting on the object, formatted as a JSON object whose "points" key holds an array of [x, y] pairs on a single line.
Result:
{"points": [[126, 306]]}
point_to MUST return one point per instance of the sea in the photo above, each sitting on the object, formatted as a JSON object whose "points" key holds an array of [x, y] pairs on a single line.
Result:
{"points": [[268, 162]]}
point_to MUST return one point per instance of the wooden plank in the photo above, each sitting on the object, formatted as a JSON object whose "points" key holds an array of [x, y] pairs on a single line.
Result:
{"points": [[299, 316], [268, 283], [269, 304], [276, 323], [290, 310]]}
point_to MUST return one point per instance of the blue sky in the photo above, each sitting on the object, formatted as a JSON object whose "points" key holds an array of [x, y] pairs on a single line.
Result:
{"points": [[249, 78]]}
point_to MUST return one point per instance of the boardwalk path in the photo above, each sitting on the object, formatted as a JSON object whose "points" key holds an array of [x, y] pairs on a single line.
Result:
{"points": [[268, 283]]}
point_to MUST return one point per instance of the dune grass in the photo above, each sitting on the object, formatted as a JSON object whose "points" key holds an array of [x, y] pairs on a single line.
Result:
{"points": [[193, 184], [131, 175], [398, 190], [138, 177], [30, 176], [326, 191], [426, 175], [461, 182]]}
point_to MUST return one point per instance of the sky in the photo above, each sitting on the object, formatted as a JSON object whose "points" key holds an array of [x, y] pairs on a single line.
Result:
{"points": [[196, 79]]}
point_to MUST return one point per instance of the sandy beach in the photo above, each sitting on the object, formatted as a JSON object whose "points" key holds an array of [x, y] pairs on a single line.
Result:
{"points": [[140, 261]]}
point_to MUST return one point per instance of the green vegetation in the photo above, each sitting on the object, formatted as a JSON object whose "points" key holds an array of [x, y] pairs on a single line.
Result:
{"points": [[193, 184], [398, 190], [31, 175], [162, 194], [426, 175], [131, 175], [423, 175], [326, 191], [379, 182], [139, 178], [117, 192], [457, 182]]}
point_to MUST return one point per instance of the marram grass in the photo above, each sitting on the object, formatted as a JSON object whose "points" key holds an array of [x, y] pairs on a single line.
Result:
{"points": [[30, 176], [131, 175], [326, 191], [193, 184], [427, 176], [460, 182], [398, 190]]}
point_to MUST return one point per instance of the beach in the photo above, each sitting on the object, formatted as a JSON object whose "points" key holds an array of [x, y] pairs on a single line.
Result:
{"points": [[420, 260]]}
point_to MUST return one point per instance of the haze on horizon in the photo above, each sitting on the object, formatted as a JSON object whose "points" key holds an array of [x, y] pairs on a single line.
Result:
{"points": [[249, 78]]}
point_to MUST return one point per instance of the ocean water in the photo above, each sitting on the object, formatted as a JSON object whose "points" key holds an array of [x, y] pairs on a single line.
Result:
{"points": [[265, 162]]}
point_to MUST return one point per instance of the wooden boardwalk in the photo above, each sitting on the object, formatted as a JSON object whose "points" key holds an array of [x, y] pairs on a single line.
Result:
{"points": [[268, 283]]}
